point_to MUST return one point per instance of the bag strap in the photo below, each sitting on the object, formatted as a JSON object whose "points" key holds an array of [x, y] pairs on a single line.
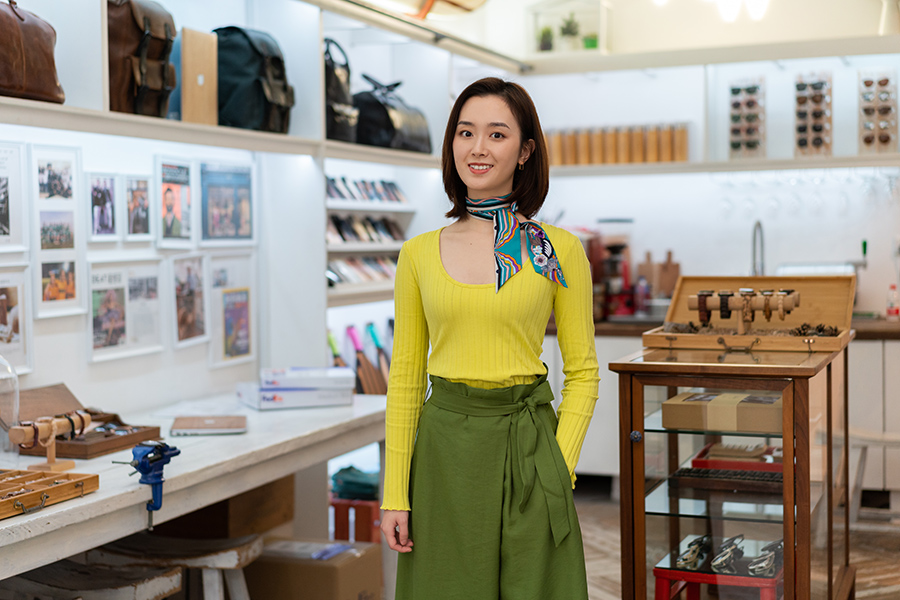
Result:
{"points": [[159, 18], [328, 44], [14, 7], [380, 87]]}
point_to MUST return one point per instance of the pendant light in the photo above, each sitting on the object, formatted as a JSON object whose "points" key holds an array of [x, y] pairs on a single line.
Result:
{"points": [[660, 2], [757, 9], [729, 9]]}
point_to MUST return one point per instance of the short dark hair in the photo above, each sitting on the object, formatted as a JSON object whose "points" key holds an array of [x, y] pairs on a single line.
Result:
{"points": [[530, 185]]}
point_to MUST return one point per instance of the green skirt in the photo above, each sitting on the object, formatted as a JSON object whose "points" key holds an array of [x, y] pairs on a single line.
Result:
{"points": [[492, 512]]}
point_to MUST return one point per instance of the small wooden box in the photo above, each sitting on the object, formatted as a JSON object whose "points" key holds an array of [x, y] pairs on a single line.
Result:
{"points": [[23, 492], [827, 300], [57, 399]]}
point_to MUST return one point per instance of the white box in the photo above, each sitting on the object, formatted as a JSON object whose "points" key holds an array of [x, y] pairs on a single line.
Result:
{"points": [[329, 378], [269, 398]]}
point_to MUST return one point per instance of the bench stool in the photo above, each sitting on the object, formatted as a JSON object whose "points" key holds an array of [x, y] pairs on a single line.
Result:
{"points": [[216, 558], [65, 580], [367, 527]]}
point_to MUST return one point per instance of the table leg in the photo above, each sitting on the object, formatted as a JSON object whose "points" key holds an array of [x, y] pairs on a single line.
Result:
{"points": [[663, 589]]}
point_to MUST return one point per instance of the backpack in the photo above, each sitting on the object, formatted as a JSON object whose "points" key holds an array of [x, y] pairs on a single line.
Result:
{"points": [[340, 114], [253, 88]]}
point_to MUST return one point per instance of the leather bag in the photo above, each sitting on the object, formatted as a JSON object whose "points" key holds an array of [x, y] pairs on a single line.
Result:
{"points": [[386, 120], [27, 66], [141, 77], [340, 114], [253, 89]]}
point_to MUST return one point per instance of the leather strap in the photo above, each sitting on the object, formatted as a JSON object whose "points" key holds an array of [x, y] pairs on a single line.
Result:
{"points": [[34, 442]]}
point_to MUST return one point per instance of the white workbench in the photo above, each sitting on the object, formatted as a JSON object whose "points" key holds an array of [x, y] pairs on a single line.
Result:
{"points": [[209, 469]]}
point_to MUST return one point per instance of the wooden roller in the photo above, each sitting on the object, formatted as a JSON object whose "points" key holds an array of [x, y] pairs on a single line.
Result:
{"points": [[745, 303], [43, 432]]}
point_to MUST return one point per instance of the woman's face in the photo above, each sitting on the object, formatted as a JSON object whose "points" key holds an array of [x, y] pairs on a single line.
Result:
{"points": [[487, 147]]}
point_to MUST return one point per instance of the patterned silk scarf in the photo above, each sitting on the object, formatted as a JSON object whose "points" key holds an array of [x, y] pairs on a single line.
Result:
{"points": [[508, 242]]}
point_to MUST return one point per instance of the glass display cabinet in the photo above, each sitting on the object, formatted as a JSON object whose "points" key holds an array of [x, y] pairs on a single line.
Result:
{"points": [[734, 466]]}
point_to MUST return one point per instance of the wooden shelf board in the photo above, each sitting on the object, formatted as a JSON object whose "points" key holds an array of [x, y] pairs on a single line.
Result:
{"points": [[375, 154], [359, 293], [368, 206], [592, 61], [16, 111], [360, 247], [729, 166]]}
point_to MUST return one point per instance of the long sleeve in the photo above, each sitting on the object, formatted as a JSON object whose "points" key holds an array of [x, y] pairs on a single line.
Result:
{"points": [[575, 331], [407, 384]]}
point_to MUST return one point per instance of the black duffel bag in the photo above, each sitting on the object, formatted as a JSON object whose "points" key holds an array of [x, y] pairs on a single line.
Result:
{"points": [[253, 88], [340, 114], [386, 120]]}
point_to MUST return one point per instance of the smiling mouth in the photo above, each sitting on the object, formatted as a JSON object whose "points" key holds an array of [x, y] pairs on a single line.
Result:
{"points": [[479, 168]]}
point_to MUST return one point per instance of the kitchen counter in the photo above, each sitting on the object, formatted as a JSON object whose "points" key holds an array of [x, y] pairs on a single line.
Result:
{"points": [[866, 329]]}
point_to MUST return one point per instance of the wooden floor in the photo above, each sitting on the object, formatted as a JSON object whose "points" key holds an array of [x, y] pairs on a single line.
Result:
{"points": [[875, 550]]}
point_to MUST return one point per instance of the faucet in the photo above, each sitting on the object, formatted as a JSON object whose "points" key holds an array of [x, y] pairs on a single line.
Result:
{"points": [[758, 264]]}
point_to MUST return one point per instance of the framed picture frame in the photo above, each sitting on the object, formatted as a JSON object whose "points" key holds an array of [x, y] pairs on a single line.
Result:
{"points": [[190, 299], [57, 197], [103, 206], [233, 331], [16, 322], [227, 204], [175, 214], [138, 211], [126, 316], [13, 198]]}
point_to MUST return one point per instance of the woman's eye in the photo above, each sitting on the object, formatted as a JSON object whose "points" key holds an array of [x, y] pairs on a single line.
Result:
{"points": [[465, 133], [497, 135]]}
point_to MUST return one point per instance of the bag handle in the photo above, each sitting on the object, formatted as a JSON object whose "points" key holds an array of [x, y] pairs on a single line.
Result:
{"points": [[380, 87], [14, 7], [328, 44]]}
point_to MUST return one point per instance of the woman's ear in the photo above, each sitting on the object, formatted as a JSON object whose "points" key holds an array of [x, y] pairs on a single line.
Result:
{"points": [[525, 152]]}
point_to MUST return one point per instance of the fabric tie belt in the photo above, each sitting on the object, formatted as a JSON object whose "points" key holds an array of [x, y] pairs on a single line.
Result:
{"points": [[532, 438]]}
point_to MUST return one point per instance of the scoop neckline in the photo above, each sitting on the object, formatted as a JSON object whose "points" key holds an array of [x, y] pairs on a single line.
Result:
{"points": [[448, 276]]}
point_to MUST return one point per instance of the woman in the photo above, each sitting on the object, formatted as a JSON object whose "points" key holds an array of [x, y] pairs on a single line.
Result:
{"points": [[487, 492]]}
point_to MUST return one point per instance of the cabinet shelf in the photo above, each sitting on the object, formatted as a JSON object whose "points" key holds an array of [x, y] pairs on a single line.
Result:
{"points": [[368, 206], [586, 61], [730, 166], [667, 500], [375, 154], [363, 247], [16, 111], [359, 293], [653, 424]]}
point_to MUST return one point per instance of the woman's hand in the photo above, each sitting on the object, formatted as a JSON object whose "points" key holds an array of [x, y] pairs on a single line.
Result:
{"points": [[395, 526]]}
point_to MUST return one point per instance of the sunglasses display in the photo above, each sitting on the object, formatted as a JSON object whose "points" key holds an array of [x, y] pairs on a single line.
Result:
{"points": [[877, 111], [746, 118], [813, 114]]}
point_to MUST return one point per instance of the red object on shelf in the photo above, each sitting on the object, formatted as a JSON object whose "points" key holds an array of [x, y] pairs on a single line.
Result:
{"points": [[671, 582], [700, 461], [368, 519]]}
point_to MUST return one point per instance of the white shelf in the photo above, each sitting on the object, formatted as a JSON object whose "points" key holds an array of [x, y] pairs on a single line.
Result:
{"points": [[592, 60], [363, 247], [358, 293], [16, 111], [375, 154], [731, 166], [369, 206]]}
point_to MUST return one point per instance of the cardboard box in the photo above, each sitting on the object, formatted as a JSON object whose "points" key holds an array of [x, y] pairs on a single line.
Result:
{"points": [[263, 398], [743, 412], [286, 571], [328, 378]]}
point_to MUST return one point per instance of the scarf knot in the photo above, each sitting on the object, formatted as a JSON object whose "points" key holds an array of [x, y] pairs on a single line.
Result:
{"points": [[508, 241]]}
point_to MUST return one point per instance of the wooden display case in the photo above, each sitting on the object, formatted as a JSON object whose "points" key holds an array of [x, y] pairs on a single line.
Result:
{"points": [[23, 492], [669, 498]]}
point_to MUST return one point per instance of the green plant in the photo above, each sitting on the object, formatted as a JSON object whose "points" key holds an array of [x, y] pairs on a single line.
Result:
{"points": [[590, 41], [546, 39], [570, 26]]}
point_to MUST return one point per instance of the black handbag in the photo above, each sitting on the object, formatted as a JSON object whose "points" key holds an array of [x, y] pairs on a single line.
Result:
{"points": [[386, 120], [253, 88], [340, 114]]}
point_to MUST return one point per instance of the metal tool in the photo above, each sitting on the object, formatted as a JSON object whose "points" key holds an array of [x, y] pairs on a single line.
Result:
{"points": [[149, 460]]}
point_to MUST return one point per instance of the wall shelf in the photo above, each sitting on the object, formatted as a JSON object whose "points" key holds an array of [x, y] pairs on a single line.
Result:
{"points": [[368, 206], [592, 61], [15, 111], [731, 166], [358, 293], [375, 154], [363, 247]]}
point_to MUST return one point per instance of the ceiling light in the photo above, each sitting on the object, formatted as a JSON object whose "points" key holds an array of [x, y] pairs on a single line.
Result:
{"points": [[660, 2], [729, 9], [757, 9]]}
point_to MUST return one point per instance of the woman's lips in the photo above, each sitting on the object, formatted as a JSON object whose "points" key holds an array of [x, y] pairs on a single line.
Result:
{"points": [[479, 168]]}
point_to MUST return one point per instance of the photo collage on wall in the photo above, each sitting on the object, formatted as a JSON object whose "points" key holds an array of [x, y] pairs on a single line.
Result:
{"points": [[232, 309]]}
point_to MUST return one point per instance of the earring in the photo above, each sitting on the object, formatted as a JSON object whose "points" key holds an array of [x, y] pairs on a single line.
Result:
{"points": [[521, 166]]}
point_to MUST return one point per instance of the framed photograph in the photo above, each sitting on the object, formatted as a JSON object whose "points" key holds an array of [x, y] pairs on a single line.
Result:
{"points": [[13, 186], [232, 309], [16, 330], [125, 309], [190, 300], [227, 208], [137, 199], [173, 178], [103, 207], [57, 197]]}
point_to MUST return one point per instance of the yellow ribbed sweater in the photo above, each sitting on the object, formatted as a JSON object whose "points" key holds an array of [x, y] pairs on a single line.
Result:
{"points": [[487, 340]]}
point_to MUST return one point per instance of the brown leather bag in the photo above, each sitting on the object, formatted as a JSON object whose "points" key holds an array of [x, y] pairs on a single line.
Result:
{"points": [[27, 68], [141, 33]]}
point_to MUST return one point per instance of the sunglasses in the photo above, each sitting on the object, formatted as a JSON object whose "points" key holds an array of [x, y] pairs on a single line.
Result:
{"points": [[751, 103], [882, 110], [818, 85], [749, 90], [816, 141], [749, 144], [881, 82], [884, 138]]}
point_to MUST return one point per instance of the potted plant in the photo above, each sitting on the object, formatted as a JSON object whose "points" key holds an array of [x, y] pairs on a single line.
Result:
{"points": [[590, 41], [569, 33], [545, 42]]}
